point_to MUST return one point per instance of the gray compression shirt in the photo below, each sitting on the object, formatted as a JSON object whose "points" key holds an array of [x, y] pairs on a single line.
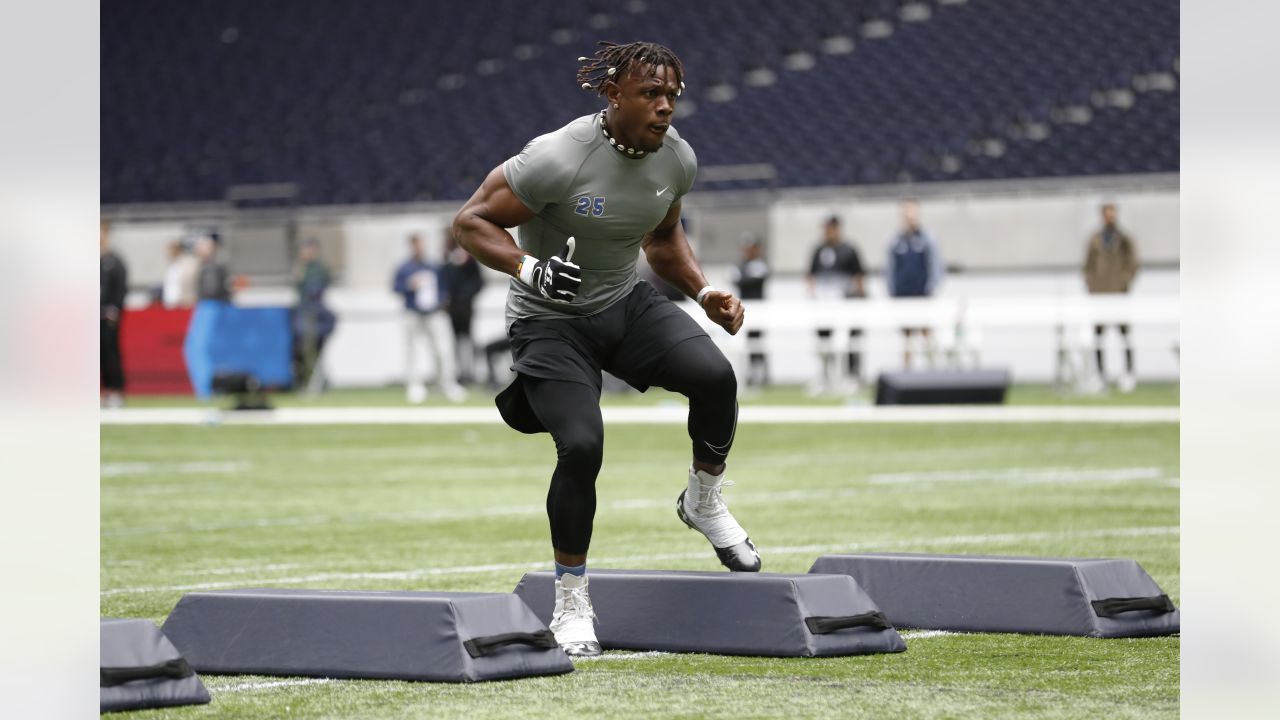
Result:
{"points": [[578, 185]]}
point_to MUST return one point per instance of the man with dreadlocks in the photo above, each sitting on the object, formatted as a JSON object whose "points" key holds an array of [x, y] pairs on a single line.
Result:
{"points": [[586, 198]]}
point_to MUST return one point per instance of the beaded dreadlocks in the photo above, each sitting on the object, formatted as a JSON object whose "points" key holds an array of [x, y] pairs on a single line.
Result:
{"points": [[613, 61]]}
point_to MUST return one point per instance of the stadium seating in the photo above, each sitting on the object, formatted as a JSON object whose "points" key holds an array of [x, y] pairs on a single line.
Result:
{"points": [[402, 100]]}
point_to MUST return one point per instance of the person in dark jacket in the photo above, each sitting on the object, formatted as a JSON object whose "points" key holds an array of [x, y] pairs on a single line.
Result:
{"points": [[1109, 267], [836, 274], [313, 322], [113, 284], [211, 282], [750, 276], [913, 269], [462, 279]]}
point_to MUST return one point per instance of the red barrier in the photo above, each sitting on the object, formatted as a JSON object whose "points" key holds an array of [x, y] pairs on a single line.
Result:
{"points": [[151, 345]]}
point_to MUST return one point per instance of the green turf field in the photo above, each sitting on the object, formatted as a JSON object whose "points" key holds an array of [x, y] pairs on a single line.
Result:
{"points": [[460, 508]]}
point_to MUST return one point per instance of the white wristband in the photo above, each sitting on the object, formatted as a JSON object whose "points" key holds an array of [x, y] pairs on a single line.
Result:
{"points": [[525, 272], [703, 293]]}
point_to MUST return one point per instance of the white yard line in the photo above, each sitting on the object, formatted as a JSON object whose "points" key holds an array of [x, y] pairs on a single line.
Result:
{"points": [[250, 568], [646, 655], [1015, 476], [910, 635], [116, 469], [456, 514], [660, 415], [624, 561], [1021, 476], [268, 685], [987, 539]]}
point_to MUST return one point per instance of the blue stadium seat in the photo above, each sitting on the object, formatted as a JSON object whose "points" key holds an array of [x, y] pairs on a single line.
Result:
{"points": [[402, 100]]}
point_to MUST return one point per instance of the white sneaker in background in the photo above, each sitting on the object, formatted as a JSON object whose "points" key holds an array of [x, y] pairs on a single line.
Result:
{"points": [[702, 507], [1126, 383], [573, 620], [1092, 385], [416, 394], [454, 392]]}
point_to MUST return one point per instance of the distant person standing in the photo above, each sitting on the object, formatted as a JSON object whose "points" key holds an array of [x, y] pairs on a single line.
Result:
{"points": [[179, 287], [835, 273], [750, 276], [913, 269], [313, 322], [1109, 267], [211, 281], [462, 277], [113, 284], [419, 283]]}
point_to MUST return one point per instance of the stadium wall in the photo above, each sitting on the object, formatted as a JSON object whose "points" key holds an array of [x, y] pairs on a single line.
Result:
{"points": [[1013, 225], [1016, 239]]}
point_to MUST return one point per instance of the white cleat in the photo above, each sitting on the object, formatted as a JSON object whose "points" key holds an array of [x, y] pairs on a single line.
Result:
{"points": [[573, 621], [702, 508]]}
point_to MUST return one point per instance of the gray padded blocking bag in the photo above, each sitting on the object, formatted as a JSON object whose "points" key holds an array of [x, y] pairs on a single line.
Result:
{"points": [[436, 636], [1104, 598], [139, 668], [726, 613]]}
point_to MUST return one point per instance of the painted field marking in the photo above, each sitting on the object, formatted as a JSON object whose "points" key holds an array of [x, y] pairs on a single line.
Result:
{"points": [[923, 634], [268, 685], [655, 415], [1021, 476], [646, 655], [623, 561], [1029, 476], [117, 469]]}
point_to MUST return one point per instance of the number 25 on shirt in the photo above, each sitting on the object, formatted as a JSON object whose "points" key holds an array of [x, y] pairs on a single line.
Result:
{"points": [[590, 206]]}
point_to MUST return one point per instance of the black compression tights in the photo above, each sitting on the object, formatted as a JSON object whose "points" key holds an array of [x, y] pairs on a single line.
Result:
{"points": [[571, 412]]}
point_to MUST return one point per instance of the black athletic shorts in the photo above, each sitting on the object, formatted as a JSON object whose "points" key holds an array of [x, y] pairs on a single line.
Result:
{"points": [[629, 339]]}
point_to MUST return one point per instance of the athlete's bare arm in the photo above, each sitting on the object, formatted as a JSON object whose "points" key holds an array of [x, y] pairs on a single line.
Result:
{"points": [[668, 252], [480, 226]]}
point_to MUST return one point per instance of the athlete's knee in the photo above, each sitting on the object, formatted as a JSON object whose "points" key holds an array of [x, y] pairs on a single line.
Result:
{"points": [[582, 447], [719, 380]]}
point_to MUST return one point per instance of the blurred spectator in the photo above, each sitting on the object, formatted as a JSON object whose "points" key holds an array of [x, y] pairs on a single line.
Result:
{"points": [[835, 273], [463, 281], [313, 322], [1109, 267], [211, 282], [113, 283], [913, 269], [419, 283], [750, 276], [179, 287]]}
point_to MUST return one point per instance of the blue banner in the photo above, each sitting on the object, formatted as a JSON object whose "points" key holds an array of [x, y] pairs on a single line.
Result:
{"points": [[223, 338]]}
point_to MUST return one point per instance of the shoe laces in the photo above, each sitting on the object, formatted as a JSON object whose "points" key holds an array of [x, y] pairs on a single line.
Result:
{"points": [[710, 502], [578, 603]]}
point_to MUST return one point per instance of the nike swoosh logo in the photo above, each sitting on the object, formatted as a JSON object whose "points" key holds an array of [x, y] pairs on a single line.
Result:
{"points": [[724, 449], [662, 190]]}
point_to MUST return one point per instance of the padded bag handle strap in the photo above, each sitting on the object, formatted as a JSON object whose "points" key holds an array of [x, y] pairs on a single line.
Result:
{"points": [[175, 669], [821, 625], [1114, 606], [481, 646]]}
